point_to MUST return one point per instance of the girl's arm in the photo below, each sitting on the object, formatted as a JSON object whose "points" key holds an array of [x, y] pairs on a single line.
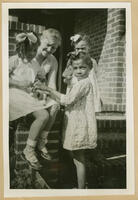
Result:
{"points": [[52, 75], [67, 73], [78, 91], [54, 94]]}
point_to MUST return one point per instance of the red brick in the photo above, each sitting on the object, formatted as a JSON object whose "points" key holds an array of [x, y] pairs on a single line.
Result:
{"points": [[12, 40], [110, 41], [24, 27], [116, 33], [19, 25], [116, 24], [120, 59], [116, 13], [110, 21], [12, 47], [13, 25], [113, 55], [110, 31], [121, 28]]}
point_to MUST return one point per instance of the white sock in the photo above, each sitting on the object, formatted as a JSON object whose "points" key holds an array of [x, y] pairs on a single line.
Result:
{"points": [[31, 143]]}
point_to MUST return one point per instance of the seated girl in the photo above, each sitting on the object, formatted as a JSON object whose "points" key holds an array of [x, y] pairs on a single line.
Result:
{"points": [[23, 70]]}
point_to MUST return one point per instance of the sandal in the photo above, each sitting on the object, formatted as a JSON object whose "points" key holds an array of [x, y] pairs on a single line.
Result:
{"points": [[45, 155], [34, 165]]}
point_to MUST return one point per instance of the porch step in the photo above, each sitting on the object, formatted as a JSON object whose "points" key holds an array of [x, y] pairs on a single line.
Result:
{"points": [[111, 122], [111, 141]]}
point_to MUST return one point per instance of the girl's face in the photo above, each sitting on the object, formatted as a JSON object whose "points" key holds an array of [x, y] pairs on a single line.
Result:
{"points": [[80, 69], [48, 46], [81, 48], [31, 53]]}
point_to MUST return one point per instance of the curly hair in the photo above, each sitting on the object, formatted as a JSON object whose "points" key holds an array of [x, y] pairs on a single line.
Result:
{"points": [[55, 34], [86, 59]]}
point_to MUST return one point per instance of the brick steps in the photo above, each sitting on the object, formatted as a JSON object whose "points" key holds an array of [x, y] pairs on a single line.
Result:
{"points": [[102, 173], [111, 142], [111, 124]]}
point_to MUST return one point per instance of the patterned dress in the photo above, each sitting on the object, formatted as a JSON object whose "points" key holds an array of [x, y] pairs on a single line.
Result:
{"points": [[92, 76], [22, 102], [80, 128]]}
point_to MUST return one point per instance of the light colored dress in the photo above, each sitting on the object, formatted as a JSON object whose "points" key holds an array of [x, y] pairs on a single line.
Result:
{"points": [[22, 102], [80, 129], [93, 79]]}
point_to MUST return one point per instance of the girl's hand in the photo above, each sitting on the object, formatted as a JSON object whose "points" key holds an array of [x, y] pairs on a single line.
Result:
{"points": [[38, 85], [40, 92]]}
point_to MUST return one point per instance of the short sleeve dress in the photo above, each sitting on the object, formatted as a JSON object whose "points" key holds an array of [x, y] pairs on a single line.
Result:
{"points": [[21, 102], [80, 128]]}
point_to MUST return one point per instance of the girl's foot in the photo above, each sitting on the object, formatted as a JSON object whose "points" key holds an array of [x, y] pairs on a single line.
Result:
{"points": [[30, 156], [41, 146], [44, 154], [34, 165]]}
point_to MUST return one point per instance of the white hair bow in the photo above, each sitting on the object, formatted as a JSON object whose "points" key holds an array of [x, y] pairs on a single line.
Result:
{"points": [[22, 36], [75, 38]]}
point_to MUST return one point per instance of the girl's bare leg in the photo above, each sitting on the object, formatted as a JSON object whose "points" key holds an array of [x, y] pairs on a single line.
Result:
{"points": [[79, 161], [44, 134], [52, 116], [41, 117]]}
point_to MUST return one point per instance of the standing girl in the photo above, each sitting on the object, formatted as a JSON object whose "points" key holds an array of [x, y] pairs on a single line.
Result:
{"points": [[80, 130], [81, 44]]}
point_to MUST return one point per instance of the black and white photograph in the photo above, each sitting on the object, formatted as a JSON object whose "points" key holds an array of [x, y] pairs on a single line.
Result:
{"points": [[67, 99]]}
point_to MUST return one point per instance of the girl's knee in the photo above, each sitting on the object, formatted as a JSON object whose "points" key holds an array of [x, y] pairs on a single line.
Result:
{"points": [[54, 109], [42, 115]]}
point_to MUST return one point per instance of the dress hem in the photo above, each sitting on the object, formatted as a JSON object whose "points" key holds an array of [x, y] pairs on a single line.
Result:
{"points": [[83, 148]]}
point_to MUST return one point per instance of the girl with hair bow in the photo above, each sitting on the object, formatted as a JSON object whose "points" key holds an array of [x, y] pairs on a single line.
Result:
{"points": [[34, 64], [23, 70], [81, 44]]}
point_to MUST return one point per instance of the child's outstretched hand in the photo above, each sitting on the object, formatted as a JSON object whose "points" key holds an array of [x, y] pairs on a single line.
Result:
{"points": [[41, 93], [39, 85]]}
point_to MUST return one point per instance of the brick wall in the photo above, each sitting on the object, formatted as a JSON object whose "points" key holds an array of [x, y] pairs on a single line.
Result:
{"points": [[106, 28], [16, 27]]}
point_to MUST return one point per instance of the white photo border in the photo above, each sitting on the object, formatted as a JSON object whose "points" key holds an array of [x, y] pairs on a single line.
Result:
{"points": [[129, 104]]}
